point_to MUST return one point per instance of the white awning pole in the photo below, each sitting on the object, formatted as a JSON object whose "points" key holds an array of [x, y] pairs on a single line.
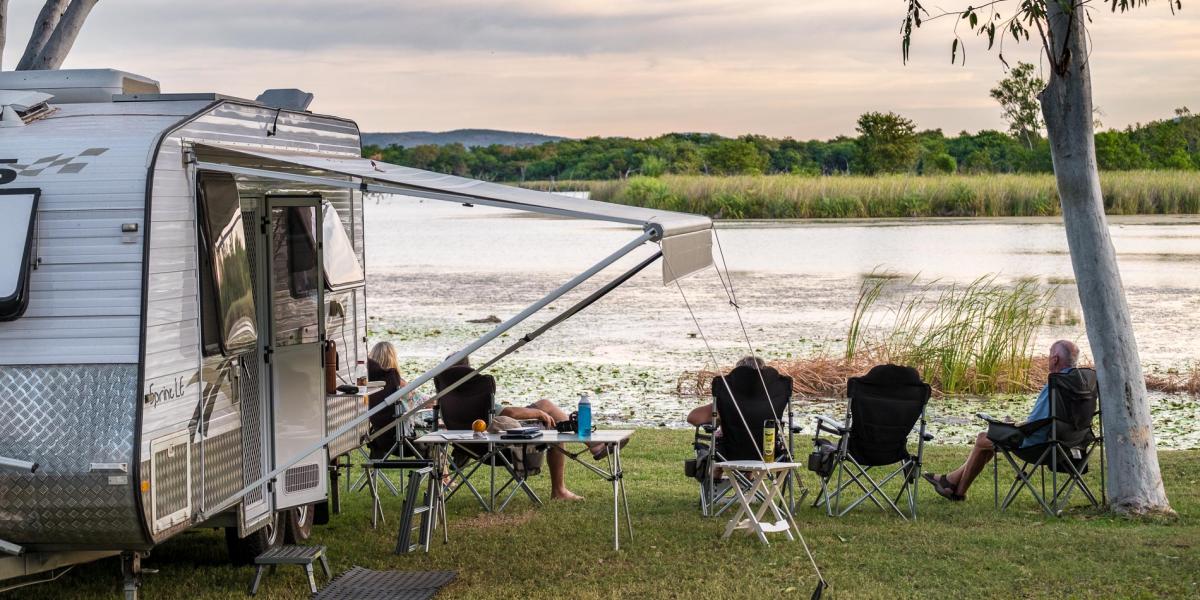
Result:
{"points": [[430, 374]]}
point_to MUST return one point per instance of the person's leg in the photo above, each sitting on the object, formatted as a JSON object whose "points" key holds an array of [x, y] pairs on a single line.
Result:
{"points": [[964, 476], [555, 458]]}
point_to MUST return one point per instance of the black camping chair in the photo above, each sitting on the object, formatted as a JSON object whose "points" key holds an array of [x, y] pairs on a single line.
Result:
{"points": [[883, 408], [741, 431], [1070, 441], [458, 409]]}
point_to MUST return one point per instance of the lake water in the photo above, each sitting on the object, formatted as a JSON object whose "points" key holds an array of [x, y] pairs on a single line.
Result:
{"points": [[434, 266]]}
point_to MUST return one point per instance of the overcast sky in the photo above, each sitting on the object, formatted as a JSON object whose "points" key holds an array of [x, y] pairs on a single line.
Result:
{"points": [[800, 68]]}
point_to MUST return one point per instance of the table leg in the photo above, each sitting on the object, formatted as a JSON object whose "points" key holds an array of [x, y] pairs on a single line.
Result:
{"points": [[613, 463], [620, 474]]}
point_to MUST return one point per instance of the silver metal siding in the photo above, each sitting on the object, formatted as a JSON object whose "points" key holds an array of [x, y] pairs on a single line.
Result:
{"points": [[173, 358]]}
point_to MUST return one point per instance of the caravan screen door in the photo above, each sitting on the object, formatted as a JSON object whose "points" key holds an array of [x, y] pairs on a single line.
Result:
{"points": [[297, 373]]}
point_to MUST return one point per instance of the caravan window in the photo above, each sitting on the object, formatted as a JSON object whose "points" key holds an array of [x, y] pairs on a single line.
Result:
{"points": [[18, 213], [340, 264], [302, 251], [342, 269], [228, 285]]}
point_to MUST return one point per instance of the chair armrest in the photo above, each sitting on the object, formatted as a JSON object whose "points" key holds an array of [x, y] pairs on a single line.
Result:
{"points": [[797, 429], [708, 427], [991, 419], [830, 424], [928, 437]]}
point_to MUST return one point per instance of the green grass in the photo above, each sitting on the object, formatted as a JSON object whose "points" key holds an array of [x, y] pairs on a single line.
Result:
{"points": [[891, 196], [955, 550]]}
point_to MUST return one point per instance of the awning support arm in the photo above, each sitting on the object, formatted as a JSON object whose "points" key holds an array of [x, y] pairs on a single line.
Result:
{"points": [[522, 342], [535, 334], [420, 380]]}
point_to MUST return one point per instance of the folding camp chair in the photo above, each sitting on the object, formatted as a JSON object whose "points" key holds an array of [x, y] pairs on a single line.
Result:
{"points": [[883, 408], [1070, 441], [458, 409], [761, 396]]}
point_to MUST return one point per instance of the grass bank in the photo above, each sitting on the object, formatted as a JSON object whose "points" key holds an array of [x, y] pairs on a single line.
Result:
{"points": [[801, 197], [955, 550]]}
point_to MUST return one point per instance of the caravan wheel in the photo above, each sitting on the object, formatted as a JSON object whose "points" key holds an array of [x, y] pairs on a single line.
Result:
{"points": [[300, 523], [242, 551]]}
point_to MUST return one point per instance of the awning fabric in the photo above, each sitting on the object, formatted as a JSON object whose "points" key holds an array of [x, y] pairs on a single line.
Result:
{"points": [[685, 250]]}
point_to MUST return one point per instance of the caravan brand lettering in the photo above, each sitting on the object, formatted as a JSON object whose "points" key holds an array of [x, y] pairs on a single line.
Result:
{"points": [[7, 175], [176, 391], [59, 164]]}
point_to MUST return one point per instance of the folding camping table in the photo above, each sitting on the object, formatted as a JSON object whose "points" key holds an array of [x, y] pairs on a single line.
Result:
{"points": [[766, 487], [441, 442]]}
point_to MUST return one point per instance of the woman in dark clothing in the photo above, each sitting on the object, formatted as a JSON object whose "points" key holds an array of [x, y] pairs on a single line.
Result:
{"points": [[381, 366]]}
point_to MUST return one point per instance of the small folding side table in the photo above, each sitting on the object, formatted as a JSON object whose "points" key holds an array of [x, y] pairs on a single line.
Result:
{"points": [[766, 490]]}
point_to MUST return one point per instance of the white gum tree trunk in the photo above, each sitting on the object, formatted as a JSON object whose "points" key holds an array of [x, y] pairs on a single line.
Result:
{"points": [[3, 29], [56, 48], [1134, 481], [47, 19]]}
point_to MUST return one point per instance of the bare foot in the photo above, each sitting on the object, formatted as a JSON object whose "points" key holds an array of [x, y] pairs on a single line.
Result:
{"points": [[565, 494]]}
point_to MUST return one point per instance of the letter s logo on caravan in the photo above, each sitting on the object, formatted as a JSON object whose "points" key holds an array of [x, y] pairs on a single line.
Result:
{"points": [[57, 164], [7, 175]]}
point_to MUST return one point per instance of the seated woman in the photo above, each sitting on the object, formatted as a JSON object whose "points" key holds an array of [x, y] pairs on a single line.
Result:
{"points": [[381, 366]]}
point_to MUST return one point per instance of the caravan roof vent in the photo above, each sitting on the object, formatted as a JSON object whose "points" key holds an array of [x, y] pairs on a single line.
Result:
{"points": [[287, 99], [79, 85], [20, 107]]}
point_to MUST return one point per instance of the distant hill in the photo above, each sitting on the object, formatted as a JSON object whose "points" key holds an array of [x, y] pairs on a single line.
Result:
{"points": [[467, 137]]}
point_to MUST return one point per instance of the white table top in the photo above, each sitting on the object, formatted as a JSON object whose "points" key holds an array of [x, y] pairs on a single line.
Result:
{"points": [[758, 465], [549, 436]]}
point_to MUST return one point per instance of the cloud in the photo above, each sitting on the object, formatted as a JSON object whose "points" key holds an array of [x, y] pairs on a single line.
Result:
{"points": [[590, 67]]}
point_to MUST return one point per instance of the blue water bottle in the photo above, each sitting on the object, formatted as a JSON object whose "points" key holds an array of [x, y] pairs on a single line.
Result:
{"points": [[585, 416]]}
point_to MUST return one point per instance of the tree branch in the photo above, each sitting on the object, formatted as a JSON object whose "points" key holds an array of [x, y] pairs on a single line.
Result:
{"points": [[59, 45], [43, 28]]}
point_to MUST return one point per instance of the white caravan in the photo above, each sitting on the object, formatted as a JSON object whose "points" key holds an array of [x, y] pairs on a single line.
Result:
{"points": [[174, 269]]}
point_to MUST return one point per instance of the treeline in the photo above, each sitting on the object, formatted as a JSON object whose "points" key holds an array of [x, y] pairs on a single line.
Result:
{"points": [[886, 143]]}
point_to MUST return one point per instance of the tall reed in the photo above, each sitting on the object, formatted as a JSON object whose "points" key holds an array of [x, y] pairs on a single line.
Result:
{"points": [[891, 196], [975, 338]]}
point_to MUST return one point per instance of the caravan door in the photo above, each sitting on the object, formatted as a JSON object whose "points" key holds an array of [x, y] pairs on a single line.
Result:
{"points": [[296, 343]]}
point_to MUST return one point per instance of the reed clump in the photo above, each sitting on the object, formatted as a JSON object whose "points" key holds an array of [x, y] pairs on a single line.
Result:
{"points": [[963, 339], [890, 196]]}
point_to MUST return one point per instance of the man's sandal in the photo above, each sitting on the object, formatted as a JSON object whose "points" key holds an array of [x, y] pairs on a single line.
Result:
{"points": [[941, 484]]}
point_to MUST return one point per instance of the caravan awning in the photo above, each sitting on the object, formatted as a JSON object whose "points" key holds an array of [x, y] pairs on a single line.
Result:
{"points": [[685, 238]]}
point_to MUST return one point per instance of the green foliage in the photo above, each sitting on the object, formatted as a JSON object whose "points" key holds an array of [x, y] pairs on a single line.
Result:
{"points": [[1018, 96], [887, 143], [941, 164], [736, 157], [1169, 143]]}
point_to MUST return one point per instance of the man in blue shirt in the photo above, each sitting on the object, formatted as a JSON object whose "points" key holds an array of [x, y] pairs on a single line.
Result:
{"points": [[954, 485]]}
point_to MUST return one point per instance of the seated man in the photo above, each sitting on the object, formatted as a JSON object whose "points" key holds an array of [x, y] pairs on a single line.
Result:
{"points": [[704, 413], [954, 485], [548, 414]]}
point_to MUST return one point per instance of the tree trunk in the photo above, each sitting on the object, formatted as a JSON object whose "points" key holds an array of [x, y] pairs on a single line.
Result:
{"points": [[3, 28], [1134, 480], [59, 45], [47, 19]]}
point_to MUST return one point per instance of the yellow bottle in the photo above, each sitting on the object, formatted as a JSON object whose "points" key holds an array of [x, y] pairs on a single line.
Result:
{"points": [[768, 441]]}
